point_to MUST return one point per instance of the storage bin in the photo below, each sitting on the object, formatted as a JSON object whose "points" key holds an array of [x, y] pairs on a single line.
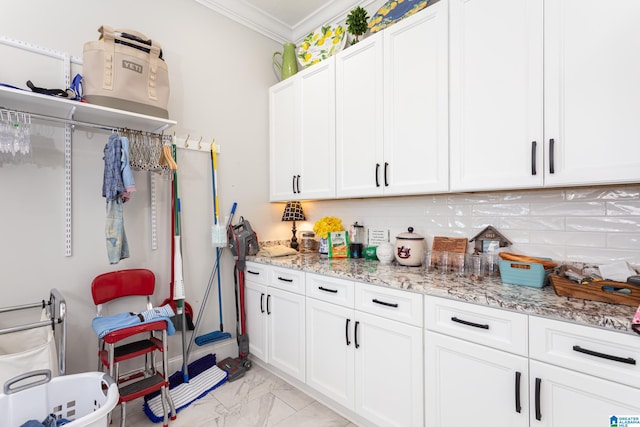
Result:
{"points": [[524, 273], [86, 399]]}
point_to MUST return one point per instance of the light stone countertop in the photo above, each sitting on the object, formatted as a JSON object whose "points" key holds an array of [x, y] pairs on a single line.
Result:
{"points": [[489, 291]]}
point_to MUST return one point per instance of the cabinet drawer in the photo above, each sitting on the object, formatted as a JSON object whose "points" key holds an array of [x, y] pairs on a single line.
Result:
{"points": [[287, 279], [329, 289], [393, 304], [256, 273], [607, 354], [501, 329]]}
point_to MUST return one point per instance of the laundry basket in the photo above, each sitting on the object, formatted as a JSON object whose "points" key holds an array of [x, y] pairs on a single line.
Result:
{"points": [[28, 344], [85, 399]]}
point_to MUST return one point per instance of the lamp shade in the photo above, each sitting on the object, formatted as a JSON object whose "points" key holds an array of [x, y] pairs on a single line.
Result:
{"points": [[293, 212]]}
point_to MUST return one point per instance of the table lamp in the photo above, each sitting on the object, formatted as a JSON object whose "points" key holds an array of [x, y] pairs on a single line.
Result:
{"points": [[293, 212]]}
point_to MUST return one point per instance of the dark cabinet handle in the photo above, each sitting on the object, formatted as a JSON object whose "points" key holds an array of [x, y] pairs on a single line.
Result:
{"points": [[466, 322], [268, 305], [388, 304], [518, 405], [377, 170], [333, 291], [261, 303], [285, 280], [346, 332], [255, 273], [386, 179], [627, 360], [534, 146], [552, 166], [538, 413], [293, 184], [355, 334], [298, 184]]}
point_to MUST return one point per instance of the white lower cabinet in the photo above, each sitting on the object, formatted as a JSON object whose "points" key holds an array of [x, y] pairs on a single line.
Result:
{"points": [[476, 367], [363, 360], [472, 385], [562, 397], [580, 375], [276, 317]]}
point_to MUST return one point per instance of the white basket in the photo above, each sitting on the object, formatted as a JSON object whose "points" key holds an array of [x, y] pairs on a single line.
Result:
{"points": [[85, 399]]}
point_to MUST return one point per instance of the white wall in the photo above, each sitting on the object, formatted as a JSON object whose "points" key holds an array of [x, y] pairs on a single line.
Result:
{"points": [[219, 72]]}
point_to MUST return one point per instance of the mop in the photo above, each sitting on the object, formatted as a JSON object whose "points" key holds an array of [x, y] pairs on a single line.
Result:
{"points": [[219, 241], [205, 377]]}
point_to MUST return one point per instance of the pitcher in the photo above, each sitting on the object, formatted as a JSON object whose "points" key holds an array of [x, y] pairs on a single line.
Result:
{"points": [[288, 65]]}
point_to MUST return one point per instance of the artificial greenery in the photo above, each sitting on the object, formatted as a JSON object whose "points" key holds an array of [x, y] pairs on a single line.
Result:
{"points": [[357, 22]]}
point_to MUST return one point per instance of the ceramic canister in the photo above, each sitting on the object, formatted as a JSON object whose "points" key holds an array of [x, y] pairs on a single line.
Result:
{"points": [[410, 248]]}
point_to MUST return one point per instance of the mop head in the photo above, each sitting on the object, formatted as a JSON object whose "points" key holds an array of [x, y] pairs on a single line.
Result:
{"points": [[204, 377]]}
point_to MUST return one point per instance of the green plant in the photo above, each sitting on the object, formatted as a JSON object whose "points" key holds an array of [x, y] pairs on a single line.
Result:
{"points": [[357, 22]]}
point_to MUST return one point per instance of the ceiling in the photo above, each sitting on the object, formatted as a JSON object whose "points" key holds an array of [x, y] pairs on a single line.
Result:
{"points": [[284, 20]]}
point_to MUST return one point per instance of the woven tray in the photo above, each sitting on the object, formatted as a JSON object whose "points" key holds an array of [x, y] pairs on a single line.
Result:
{"points": [[596, 291]]}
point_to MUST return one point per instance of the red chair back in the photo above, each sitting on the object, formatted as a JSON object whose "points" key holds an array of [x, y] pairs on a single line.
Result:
{"points": [[122, 283]]}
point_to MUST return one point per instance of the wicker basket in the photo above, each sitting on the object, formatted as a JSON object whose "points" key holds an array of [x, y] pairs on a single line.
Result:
{"points": [[596, 291]]}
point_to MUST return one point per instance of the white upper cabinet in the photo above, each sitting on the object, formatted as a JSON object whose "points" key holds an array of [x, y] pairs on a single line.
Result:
{"points": [[416, 104], [359, 119], [496, 94], [592, 91], [392, 110], [302, 135], [528, 113]]}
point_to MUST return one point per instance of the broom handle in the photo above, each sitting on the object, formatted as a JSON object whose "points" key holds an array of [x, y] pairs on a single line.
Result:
{"points": [[206, 294]]}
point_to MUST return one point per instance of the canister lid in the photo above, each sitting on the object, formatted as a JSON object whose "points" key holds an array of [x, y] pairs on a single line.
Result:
{"points": [[410, 235]]}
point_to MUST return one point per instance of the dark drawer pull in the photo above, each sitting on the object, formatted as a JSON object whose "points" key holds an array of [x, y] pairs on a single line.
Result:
{"points": [[333, 291], [534, 145], [628, 360], [466, 322], [346, 331], [355, 334], [518, 405], [377, 169], [268, 305], [285, 280], [537, 397], [262, 303], [388, 304], [256, 273]]}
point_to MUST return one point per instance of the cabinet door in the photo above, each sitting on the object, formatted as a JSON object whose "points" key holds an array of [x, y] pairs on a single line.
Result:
{"points": [[359, 163], [318, 132], [592, 91], [416, 107], [283, 139], [388, 371], [330, 346], [496, 94], [285, 311], [561, 397], [255, 297], [474, 385]]}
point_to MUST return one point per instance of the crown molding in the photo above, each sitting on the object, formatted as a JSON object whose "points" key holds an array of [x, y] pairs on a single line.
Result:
{"points": [[269, 26]]}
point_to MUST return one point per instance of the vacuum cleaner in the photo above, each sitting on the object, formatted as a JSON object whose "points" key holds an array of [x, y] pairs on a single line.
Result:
{"points": [[243, 241]]}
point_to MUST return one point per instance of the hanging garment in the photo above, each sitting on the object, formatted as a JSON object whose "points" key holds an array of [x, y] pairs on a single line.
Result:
{"points": [[112, 189], [112, 185], [117, 246]]}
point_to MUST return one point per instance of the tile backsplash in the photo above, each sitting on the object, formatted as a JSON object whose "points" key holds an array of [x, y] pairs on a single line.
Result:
{"points": [[588, 224]]}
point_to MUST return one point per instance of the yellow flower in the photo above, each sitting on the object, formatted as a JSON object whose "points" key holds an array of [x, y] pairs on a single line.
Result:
{"points": [[304, 46], [327, 224], [320, 42]]}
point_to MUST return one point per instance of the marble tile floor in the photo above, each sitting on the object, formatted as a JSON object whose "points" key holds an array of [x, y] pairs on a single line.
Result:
{"points": [[257, 399]]}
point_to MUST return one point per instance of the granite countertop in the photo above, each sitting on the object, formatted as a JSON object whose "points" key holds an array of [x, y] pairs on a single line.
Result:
{"points": [[489, 291]]}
